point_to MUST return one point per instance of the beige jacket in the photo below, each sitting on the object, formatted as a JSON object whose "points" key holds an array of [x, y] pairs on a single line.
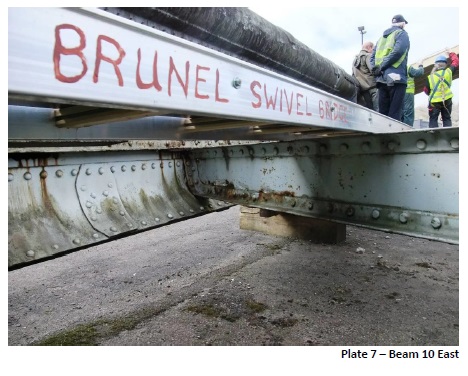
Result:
{"points": [[362, 70]]}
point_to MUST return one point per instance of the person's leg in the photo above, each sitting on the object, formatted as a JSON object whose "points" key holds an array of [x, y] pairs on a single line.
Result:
{"points": [[434, 112], [408, 109], [396, 105], [384, 99], [360, 99], [375, 98], [367, 99], [446, 112]]}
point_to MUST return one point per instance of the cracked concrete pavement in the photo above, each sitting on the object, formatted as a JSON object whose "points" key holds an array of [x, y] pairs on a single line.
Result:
{"points": [[206, 282]]}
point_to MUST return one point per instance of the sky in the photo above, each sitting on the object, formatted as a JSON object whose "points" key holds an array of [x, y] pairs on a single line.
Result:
{"points": [[333, 32]]}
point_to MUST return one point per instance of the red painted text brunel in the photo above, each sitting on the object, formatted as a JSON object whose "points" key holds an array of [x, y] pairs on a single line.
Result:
{"points": [[264, 97], [173, 74]]}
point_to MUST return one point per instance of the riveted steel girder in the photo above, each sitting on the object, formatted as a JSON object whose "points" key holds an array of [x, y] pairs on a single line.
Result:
{"points": [[405, 182], [61, 202]]}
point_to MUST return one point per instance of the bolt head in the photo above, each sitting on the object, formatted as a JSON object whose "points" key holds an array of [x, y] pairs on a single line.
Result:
{"points": [[236, 83], [350, 211], [404, 217], [435, 223], [391, 145], [454, 143], [421, 144]]}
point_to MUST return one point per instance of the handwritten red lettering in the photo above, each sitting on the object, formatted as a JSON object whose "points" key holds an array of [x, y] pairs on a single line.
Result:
{"points": [[289, 105], [199, 79], [155, 83], [217, 97], [100, 57], [253, 85], [307, 108], [336, 110], [332, 111], [298, 104], [172, 69], [281, 101], [268, 99], [327, 110], [292, 100], [343, 110], [60, 49]]}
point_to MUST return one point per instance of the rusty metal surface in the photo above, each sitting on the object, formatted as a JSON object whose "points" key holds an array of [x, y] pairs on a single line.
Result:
{"points": [[57, 204], [98, 194], [44, 216], [403, 183]]}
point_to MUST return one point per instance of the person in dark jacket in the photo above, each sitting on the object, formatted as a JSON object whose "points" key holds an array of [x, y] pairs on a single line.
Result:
{"points": [[407, 116], [389, 60], [438, 87], [362, 72]]}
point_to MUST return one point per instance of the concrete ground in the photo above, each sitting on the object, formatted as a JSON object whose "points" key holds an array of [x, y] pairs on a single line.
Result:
{"points": [[206, 282]]}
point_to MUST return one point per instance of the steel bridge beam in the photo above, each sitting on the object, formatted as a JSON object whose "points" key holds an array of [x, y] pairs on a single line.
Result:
{"points": [[59, 202], [404, 183]]}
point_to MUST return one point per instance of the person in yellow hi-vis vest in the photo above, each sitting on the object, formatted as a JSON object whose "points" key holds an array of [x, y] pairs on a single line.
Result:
{"points": [[438, 86], [408, 103], [389, 59]]}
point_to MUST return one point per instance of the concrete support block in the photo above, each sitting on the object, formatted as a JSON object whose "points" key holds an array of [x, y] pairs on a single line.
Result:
{"points": [[290, 225]]}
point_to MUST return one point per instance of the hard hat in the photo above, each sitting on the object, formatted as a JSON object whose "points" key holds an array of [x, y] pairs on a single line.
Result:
{"points": [[441, 59]]}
